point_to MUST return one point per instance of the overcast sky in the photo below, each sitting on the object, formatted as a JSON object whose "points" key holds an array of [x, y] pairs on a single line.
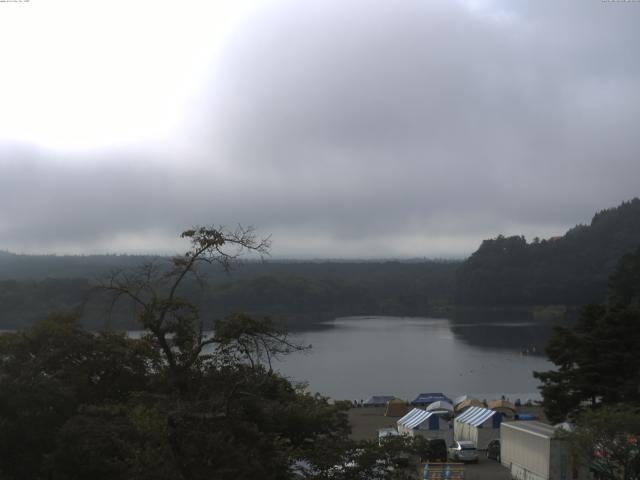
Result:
{"points": [[344, 128]]}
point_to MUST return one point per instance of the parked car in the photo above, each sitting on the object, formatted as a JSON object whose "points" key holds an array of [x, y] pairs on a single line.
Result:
{"points": [[463, 451], [493, 450], [437, 450]]}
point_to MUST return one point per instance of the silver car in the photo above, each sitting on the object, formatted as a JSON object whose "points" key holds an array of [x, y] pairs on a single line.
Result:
{"points": [[461, 451]]}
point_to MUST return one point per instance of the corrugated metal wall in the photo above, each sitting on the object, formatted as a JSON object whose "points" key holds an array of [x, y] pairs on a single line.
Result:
{"points": [[526, 454]]}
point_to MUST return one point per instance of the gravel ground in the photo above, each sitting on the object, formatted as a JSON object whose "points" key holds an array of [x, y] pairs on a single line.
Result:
{"points": [[365, 422], [486, 469]]}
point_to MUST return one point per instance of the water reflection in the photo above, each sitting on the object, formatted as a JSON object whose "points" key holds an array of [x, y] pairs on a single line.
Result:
{"points": [[509, 329], [361, 356]]}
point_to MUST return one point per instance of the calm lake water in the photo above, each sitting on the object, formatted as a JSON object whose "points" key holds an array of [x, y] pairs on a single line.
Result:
{"points": [[355, 357]]}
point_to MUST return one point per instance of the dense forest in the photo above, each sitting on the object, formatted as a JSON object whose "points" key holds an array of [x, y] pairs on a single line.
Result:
{"points": [[176, 403], [504, 272], [568, 270], [298, 293]]}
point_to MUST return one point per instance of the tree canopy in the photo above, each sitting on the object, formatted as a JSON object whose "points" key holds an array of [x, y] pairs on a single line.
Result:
{"points": [[177, 403], [571, 269], [606, 440], [598, 359]]}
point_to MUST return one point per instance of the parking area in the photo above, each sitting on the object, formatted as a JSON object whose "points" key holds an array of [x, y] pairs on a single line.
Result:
{"points": [[486, 470], [483, 470], [365, 423]]}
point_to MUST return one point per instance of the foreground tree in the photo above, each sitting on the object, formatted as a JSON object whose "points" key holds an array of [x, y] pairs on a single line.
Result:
{"points": [[598, 359], [154, 289], [48, 372], [176, 404], [606, 441]]}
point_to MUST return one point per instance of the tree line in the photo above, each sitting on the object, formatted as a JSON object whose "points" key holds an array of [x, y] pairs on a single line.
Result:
{"points": [[178, 403], [596, 382], [505, 272], [298, 293], [569, 270]]}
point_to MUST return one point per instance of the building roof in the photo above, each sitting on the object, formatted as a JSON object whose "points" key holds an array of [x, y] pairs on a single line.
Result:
{"points": [[535, 428]]}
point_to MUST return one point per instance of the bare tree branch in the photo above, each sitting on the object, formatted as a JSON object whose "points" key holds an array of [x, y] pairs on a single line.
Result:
{"points": [[154, 289]]}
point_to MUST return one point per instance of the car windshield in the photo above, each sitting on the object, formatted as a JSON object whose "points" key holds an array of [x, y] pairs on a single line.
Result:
{"points": [[466, 447]]}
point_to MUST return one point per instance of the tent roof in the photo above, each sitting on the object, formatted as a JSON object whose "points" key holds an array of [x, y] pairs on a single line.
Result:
{"points": [[476, 416], [440, 405], [396, 408], [471, 402], [427, 398], [414, 418], [463, 398], [379, 399], [502, 404]]}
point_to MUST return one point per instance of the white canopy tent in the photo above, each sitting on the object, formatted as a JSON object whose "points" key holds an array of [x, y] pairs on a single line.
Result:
{"points": [[440, 406], [426, 424], [478, 425]]}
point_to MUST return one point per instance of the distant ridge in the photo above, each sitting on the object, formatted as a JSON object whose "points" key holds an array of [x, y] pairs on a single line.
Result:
{"points": [[570, 270]]}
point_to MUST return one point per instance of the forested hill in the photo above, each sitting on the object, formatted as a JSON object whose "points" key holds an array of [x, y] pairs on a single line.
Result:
{"points": [[505, 271], [302, 292], [570, 270]]}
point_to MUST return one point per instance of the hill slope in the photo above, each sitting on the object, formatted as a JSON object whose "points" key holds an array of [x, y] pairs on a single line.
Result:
{"points": [[570, 270]]}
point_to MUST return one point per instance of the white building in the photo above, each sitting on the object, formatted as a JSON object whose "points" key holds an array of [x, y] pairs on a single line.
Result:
{"points": [[532, 451]]}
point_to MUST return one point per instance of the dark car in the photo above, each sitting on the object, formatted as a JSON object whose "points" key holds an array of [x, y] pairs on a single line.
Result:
{"points": [[437, 450], [493, 450]]}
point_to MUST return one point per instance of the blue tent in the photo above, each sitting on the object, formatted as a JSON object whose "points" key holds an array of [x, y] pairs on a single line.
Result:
{"points": [[425, 399]]}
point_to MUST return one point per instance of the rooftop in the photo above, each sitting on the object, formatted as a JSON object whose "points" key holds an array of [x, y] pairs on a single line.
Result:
{"points": [[537, 428]]}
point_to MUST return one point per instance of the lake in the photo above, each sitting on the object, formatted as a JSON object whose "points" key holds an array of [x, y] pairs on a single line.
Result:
{"points": [[356, 357]]}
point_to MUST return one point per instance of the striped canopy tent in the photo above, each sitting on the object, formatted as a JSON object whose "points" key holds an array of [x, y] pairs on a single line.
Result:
{"points": [[471, 402], [426, 424], [503, 406], [440, 406], [478, 425]]}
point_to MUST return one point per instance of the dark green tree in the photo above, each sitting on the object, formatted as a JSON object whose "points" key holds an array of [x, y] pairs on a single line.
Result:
{"points": [[48, 372], [178, 403], [598, 360], [606, 442]]}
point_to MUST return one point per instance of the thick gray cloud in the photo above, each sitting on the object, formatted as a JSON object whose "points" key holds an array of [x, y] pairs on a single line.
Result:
{"points": [[368, 128]]}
